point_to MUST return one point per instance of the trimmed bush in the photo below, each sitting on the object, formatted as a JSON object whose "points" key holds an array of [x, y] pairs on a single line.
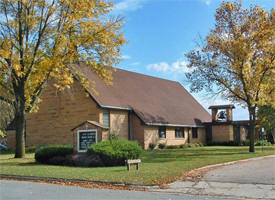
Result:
{"points": [[31, 149], [262, 143], [162, 146], [242, 143], [245, 143], [152, 146], [200, 144], [187, 145], [45, 153], [172, 147], [226, 143], [115, 152]]}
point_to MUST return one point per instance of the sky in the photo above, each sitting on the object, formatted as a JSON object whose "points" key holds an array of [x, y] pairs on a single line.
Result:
{"points": [[160, 32]]}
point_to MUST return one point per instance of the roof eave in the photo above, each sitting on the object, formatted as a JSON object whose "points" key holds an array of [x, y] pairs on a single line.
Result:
{"points": [[173, 125], [115, 107]]}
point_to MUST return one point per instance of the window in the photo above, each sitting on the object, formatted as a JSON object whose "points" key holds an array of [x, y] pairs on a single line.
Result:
{"points": [[106, 118], [194, 132], [162, 132], [179, 132]]}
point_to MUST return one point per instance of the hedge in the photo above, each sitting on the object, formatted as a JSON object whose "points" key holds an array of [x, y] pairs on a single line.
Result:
{"points": [[115, 152], [43, 154]]}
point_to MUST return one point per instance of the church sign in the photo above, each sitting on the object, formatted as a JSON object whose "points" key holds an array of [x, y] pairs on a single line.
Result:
{"points": [[85, 138]]}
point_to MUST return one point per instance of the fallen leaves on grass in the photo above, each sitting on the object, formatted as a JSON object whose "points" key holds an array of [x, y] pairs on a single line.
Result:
{"points": [[83, 184]]}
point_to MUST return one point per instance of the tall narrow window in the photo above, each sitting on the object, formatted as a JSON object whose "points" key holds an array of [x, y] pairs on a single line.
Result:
{"points": [[194, 132], [179, 132], [162, 132], [106, 118]]}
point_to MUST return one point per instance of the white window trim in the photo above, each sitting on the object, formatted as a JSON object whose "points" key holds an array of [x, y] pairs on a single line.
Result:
{"points": [[83, 131]]}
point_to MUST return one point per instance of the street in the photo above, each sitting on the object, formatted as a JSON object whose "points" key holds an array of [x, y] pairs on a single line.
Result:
{"points": [[22, 190], [253, 179]]}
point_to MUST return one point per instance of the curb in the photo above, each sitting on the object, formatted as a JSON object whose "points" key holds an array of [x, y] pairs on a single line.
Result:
{"points": [[122, 185]]}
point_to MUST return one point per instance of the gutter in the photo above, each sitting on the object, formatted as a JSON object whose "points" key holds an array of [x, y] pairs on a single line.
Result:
{"points": [[174, 125], [115, 107]]}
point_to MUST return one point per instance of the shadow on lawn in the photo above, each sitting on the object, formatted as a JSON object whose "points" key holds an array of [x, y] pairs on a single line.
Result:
{"points": [[18, 164]]}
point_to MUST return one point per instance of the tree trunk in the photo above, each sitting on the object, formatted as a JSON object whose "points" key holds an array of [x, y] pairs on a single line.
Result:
{"points": [[20, 120], [252, 116], [20, 139]]}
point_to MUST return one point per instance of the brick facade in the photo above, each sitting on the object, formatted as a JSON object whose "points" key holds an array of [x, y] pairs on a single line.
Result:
{"points": [[222, 133], [151, 135], [119, 123], [59, 112]]}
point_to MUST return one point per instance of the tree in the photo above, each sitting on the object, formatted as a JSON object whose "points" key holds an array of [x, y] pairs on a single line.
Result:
{"points": [[266, 119], [6, 115], [236, 59], [40, 39]]}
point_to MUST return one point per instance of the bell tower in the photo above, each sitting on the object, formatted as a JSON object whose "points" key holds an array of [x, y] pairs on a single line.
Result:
{"points": [[222, 113]]}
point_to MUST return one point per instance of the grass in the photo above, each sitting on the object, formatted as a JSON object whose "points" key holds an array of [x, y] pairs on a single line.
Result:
{"points": [[157, 167]]}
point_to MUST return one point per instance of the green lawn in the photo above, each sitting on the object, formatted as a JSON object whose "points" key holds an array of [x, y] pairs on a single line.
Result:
{"points": [[157, 167]]}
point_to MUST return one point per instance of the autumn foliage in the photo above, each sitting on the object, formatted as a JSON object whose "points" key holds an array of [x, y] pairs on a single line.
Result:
{"points": [[237, 58], [40, 39]]}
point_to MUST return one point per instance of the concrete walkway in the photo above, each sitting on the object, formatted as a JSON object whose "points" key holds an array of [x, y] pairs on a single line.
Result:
{"points": [[253, 179]]}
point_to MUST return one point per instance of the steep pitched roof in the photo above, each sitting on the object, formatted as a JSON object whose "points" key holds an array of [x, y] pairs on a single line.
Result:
{"points": [[155, 100]]}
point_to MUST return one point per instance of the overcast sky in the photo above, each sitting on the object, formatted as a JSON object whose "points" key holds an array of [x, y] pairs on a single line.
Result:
{"points": [[160, 32]]}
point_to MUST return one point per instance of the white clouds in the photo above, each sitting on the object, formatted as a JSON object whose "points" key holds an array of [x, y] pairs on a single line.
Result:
{"points": [[159, 67], [125, 57], [164, 67], [207, 2], [128, 5]]}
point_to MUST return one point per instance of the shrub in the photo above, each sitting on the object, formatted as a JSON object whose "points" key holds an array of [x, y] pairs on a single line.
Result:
{"points": [[43, 154], [245, 143], [189, 145], [113, 136], [262, 143], [172, 147], [162, 146], [31, 149], [200, 144], [225, 143], [115, 152], [152, 146]]}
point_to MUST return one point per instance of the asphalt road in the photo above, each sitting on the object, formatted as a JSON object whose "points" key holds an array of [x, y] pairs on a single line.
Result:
{"points": [[252, 179], [260, 171], [19, 190]]}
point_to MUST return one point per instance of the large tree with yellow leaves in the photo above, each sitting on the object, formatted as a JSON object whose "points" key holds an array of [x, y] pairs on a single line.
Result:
{"points": [[38, 41], [237, 59]]}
